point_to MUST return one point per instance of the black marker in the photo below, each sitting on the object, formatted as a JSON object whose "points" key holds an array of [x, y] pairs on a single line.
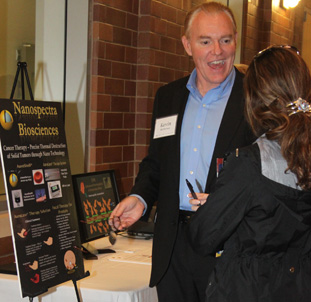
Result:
{"points": [[191, 189]]}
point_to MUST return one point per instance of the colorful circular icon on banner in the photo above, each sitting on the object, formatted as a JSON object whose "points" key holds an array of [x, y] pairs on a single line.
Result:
{"points": [[6, 120], [38, 177], [13, 180]]}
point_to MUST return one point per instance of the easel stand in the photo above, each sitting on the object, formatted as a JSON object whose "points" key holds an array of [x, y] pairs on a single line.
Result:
{"points": [[87, 273], [74, 281], [22, 67]]}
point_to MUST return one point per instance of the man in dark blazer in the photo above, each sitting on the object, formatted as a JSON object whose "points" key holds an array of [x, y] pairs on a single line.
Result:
{"points": [[210, 38]]}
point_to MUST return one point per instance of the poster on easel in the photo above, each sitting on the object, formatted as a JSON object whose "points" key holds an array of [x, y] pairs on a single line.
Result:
{"points": [[40, 196]]}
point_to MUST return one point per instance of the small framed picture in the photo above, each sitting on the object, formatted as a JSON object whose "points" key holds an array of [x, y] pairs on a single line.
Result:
{"points": [[96, 195]]}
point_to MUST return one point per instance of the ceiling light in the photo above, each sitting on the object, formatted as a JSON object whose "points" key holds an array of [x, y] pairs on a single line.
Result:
{"points": [[289, 3]]}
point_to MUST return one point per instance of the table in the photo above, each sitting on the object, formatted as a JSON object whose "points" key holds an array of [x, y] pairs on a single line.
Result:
{"points": [[109, 281]]}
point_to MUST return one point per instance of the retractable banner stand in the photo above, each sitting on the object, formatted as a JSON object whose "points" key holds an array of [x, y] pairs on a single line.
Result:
{"points": [[40, 196]]}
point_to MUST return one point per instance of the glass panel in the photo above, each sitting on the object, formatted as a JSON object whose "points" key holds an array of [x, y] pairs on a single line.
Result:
{"points": [[31, 31], [17, 32]]}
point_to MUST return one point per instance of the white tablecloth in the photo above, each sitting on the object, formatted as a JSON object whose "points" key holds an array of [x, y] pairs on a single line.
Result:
{"points": [[109, 281]]}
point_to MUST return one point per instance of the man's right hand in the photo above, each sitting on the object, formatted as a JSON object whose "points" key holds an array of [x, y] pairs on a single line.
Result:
{"points": [[196, 203], [127, 212]]}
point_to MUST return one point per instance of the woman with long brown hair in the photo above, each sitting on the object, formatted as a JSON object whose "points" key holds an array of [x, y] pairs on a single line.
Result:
{"points": [[259, 214]]}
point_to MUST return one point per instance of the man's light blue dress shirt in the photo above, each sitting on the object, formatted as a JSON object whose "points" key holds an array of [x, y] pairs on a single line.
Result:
{"points": [[201, 121]]}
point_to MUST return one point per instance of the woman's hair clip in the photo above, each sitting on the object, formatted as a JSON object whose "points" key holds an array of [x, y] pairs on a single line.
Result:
{"points": [[300, 105]]}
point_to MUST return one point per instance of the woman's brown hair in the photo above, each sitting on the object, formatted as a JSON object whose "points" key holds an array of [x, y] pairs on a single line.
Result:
{"points": [[275, 78]]}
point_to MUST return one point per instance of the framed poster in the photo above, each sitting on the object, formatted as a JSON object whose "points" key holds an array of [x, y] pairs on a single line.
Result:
{"points": [[96, 195]]}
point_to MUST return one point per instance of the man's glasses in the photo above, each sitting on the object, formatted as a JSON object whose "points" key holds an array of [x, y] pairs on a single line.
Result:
{"points": [[107, 228], [112, 236], [115, 224]]}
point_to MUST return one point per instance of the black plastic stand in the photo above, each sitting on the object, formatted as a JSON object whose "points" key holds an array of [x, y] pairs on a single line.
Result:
{"points": [[74, 280], [87, 273], [91, 255], [37, 294], [88, 255], [22, 68]]}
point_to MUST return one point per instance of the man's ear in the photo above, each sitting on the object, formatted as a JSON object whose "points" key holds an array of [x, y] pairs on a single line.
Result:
{"points": [[236, 39], [187, 45]]}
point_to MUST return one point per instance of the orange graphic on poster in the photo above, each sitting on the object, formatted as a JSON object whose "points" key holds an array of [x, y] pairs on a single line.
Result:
{"points": [[82, 187], [49, 241], [34, 266], [97, 214]]}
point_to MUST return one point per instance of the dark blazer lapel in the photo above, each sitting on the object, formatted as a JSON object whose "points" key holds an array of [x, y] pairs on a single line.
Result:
{"points": [[232, 118], [180, 99], [179, 105]]}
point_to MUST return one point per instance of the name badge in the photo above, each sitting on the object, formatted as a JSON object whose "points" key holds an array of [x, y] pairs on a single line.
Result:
{"points": [[165, 126]]}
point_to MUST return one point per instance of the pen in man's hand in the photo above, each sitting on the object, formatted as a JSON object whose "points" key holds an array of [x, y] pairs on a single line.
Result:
{"points": [[191, 189]]}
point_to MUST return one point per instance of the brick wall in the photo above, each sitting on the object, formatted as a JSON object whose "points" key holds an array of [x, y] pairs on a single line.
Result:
{"points": [[135, 48], [267, 23]]}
